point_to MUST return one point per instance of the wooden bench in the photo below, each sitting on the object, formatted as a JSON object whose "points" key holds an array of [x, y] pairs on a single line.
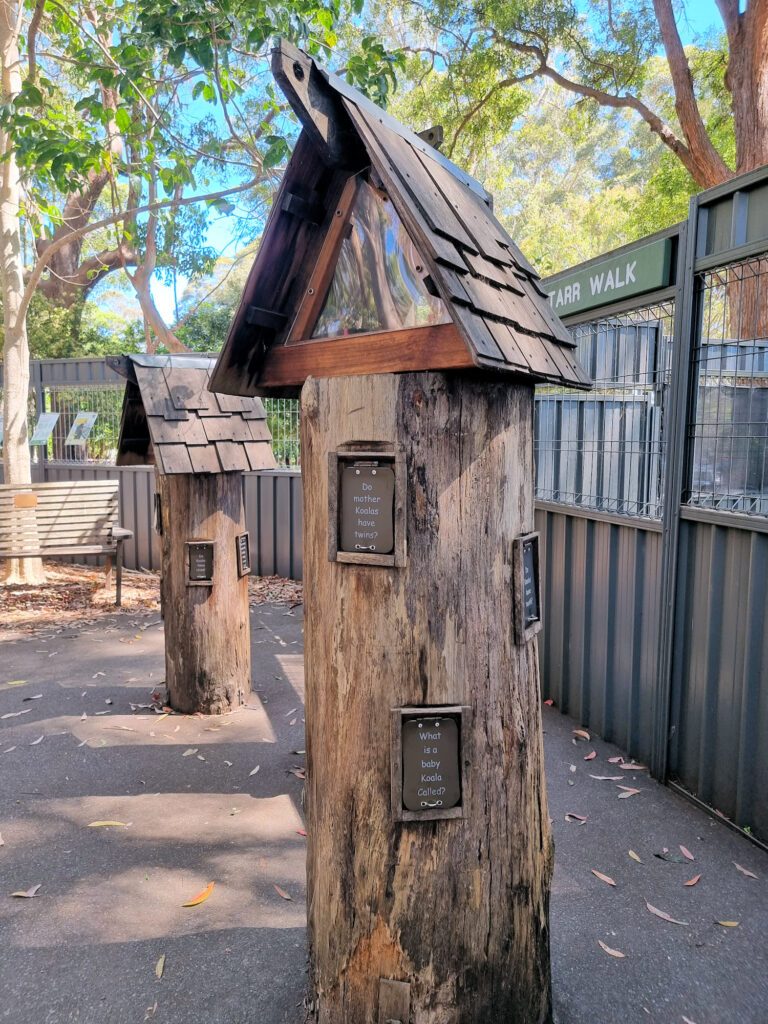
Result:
{"points": [[70, 517]]}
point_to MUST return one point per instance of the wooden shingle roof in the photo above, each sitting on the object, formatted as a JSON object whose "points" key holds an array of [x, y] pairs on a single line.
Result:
{"points": [[502, 319], [171, 419]]}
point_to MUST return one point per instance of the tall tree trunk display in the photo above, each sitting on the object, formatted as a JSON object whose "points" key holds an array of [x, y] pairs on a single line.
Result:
{"points": [[456, 911], [208, 664], [16, 458]]}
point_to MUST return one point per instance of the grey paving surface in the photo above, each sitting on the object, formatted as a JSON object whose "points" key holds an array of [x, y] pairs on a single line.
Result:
{"points": [[109, 907]]}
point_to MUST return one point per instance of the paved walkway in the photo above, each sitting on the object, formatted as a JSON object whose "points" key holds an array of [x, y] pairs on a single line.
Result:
{"points": [[194, 810]]}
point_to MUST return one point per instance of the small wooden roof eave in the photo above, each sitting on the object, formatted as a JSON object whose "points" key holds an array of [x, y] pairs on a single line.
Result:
{"points": [[171, 420], [501, 317]]}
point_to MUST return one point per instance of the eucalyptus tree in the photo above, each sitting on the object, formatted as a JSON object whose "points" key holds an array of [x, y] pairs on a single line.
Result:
{"points": [[603, 53], [127, 124]]}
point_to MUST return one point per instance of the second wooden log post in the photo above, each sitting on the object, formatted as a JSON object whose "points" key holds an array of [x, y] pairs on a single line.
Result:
{"points": [[429, 921], [208, 656]]}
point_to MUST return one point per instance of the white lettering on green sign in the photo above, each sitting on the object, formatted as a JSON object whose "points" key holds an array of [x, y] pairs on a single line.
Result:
{"points": [[641, 270]]}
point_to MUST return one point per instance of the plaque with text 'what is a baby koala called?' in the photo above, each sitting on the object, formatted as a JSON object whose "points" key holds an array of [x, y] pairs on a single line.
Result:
{"points": [[367, 509], [431, 770]]}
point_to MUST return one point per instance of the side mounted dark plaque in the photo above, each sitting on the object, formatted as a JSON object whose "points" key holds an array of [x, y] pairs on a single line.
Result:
{"points": [[527, 587], [200, 562], [243, 545], [431, 770], [431, 756], [158, 514], [367, 509]]}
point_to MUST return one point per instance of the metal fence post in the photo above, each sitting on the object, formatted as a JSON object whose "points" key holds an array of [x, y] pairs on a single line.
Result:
{"points": [[676, 447]]}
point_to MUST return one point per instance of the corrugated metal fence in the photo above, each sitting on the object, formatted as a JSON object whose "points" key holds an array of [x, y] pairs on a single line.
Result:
{"points": [[655, 580]]}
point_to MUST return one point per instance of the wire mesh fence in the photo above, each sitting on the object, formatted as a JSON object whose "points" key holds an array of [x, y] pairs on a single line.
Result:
{"points": [[71, 403], [604, 449], [728, 433]]}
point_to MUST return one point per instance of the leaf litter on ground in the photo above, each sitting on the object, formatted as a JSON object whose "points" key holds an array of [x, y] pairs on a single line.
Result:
{"points": [[283, 893], [634, 856], [686, 853], [571, 816], [744, 871], [29, 893], [628, 792], [581, 733], [664, 916], [160, 967], [692, 881], [602, 877], [201, 897], [611, 952]]}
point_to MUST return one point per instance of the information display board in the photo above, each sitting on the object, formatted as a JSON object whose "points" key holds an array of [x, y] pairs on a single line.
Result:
{"points": [[367, 509], [44, 427], [200, 562], [81, 428]]}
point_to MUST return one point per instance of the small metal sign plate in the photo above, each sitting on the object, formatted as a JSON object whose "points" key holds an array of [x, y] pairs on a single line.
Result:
{"points": [[200, 555], [527, 587], [243, 554], [530, 581], [367, 509], [431, 768]]}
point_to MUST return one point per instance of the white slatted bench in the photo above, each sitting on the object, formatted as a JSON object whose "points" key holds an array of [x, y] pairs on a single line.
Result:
{"points": [[69, 517]]}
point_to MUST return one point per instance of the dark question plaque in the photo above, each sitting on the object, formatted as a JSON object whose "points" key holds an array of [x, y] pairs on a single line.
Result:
{"points": [[200, 554], [431, 768], [367, 509], [243, 547], [530, 587]]}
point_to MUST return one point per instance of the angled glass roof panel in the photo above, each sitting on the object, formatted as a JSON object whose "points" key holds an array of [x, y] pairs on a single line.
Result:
{"points": [[378, 282]]}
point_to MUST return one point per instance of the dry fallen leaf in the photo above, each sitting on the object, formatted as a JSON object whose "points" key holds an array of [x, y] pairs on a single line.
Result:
{"points": [[729, 924], [15, 714], [28, 894], [615, 760], [300, 832], [686, 853], [189, 752], [228, 764], [159, 967], [571, 767], [693, 880], [744, 871], [628, 792], [663, 916], [634, 856], [687, 1020], [631, 767], [99, 824], [607, 778], [611, 952], [589, 757], [570, 816], [603, 878], [293, 721], [582, 733], [201, 897], [549, 702], [38, 740], [254, 770], [283, 893]]}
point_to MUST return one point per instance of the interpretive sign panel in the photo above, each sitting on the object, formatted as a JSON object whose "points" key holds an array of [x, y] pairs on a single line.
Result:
{"points": [[44, 427], [200, 562], [81, 428], [367, 509]]}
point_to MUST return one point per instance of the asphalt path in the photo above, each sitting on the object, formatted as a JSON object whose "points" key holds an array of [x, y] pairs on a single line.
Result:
{"points": [[108, 916]]}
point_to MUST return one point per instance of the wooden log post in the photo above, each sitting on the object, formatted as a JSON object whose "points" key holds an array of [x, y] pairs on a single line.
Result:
{"points": [[426, 921], [207, 641]]}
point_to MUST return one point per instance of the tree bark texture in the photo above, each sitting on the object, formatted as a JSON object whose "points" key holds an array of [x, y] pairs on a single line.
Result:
{"points": [[207, 640], [458, 909], [16, 460]]}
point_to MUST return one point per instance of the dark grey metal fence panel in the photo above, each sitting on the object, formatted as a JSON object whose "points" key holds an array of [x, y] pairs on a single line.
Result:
{"points": [[720, 670], [599, 644], [273, 519]]}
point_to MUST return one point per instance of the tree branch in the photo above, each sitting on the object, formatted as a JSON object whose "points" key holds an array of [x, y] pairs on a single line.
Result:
{"points": [[87, 229], [34, 25], [710, 166]]}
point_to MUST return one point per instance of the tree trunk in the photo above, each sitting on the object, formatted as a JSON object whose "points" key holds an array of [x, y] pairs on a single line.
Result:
{"points": [[207, 639], [456, 909], [16, 459]]}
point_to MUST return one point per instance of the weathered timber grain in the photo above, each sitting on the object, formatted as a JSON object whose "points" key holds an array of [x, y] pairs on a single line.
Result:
{"points": [[457, 909], [207, 649]]}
